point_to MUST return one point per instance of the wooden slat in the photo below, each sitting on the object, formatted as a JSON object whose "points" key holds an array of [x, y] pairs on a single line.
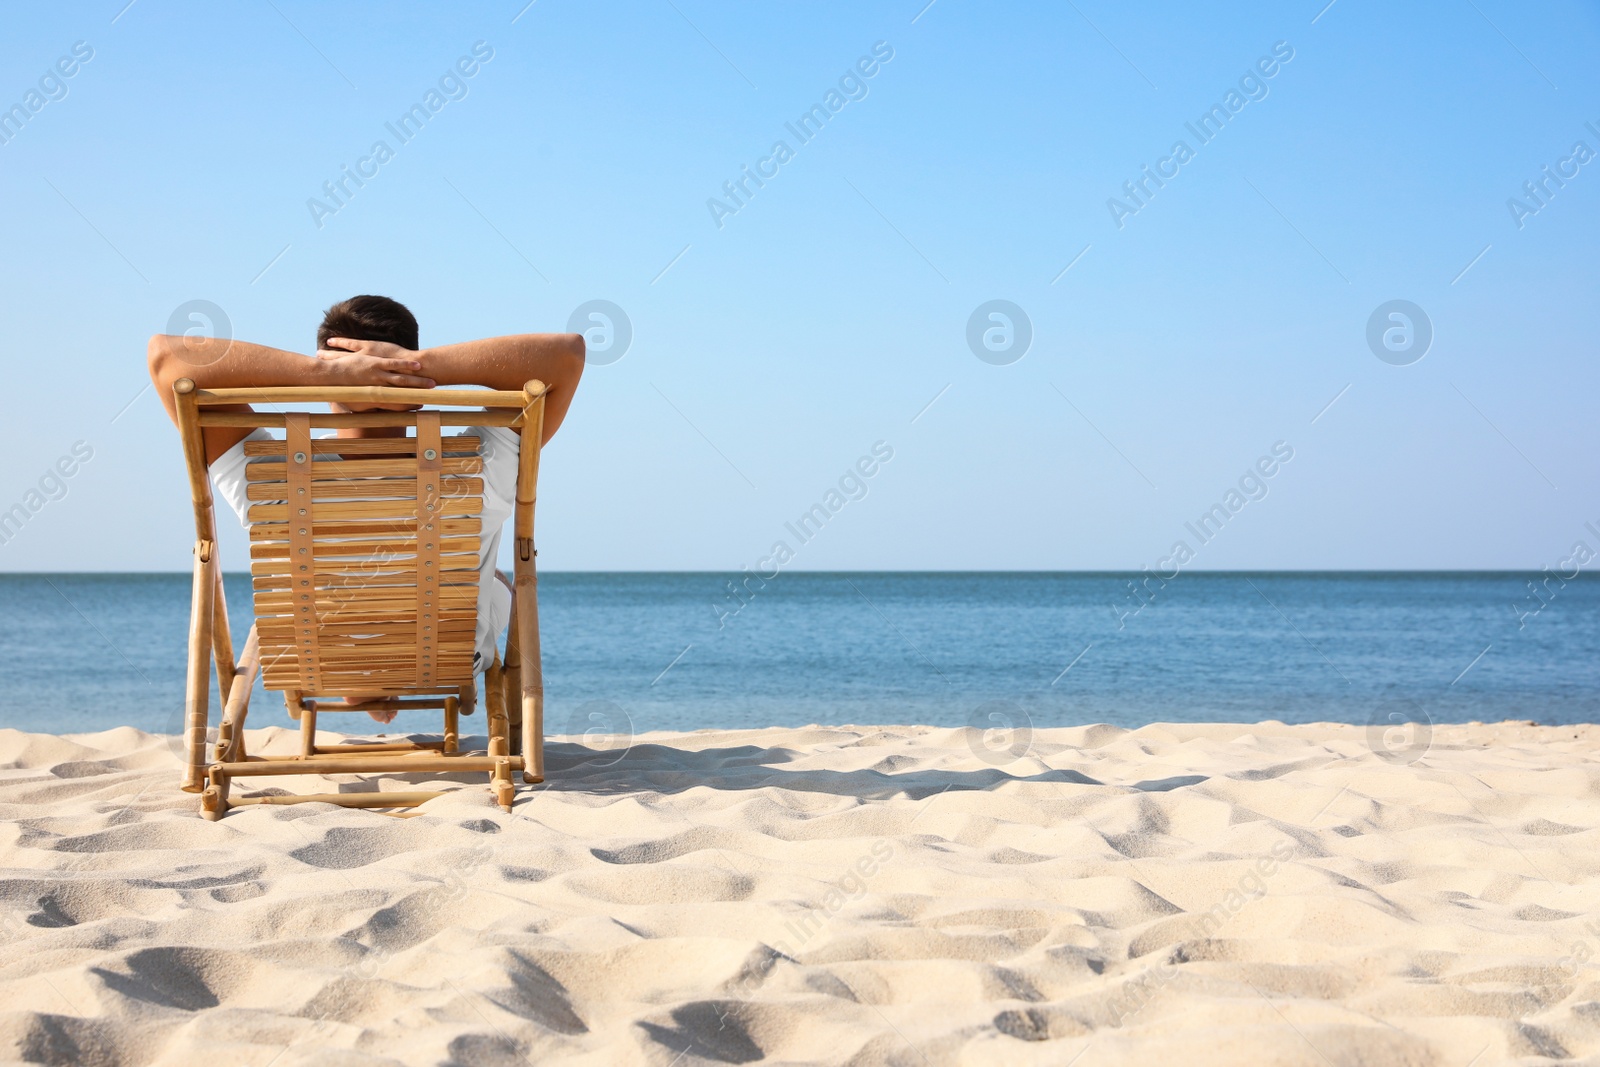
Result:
{"points": [[397, 635], [394, 655], [363, 683], [369, 561], [453, 489], [460, 568], [381, 608], [382, 656], [451, 635], [462, 604], [392, 632], [273, 420], [361, 587], [391, 657], [360, 686], [455, 638], [461, 618], [401, 679], [323, 469], [359, 599], [361, 394], [363, 547], [333, 593], [363, 637], [451, 527], [463, 612], [404, 661], [364, 510], [363, 446], [381, 704], [407, 692], [387, 657]]}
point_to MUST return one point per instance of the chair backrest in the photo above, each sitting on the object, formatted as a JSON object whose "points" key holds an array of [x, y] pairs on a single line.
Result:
{"points": [[364, 552], [364, 559]]}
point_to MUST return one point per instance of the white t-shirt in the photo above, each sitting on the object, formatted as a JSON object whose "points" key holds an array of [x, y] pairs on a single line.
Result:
{"points": [[499, 450]]}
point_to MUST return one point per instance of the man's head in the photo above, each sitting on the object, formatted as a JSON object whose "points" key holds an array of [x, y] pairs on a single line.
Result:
{"points": [[369, 318]]}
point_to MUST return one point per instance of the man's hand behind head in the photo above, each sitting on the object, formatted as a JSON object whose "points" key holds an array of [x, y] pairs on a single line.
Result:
{"points": [[356, 362]]}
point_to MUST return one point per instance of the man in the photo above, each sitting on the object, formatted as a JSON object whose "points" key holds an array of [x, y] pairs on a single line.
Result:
{"points": [[373, 340]]}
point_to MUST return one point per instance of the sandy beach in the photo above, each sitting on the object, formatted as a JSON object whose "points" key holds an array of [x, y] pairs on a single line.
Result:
{"points": [[1196, 894]]}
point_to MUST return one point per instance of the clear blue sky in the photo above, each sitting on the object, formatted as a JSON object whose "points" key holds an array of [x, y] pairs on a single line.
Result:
{"points": [[772, 352]]}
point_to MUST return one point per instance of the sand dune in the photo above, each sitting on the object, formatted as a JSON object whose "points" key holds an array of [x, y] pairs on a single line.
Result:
{"points": [[866, 895]]}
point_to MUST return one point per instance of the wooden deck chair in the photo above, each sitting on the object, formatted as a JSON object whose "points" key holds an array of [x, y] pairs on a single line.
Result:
{"points": [[365, 579]]}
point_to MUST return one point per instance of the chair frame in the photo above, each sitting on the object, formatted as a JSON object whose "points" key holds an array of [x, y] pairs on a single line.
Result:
{"points": [[517, 683]]}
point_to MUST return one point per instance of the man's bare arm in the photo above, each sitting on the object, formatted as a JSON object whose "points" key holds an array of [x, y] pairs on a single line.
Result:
{"points": [[556, 359], [215, 363]]}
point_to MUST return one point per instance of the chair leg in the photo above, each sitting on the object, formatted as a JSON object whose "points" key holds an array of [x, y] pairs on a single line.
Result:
{"points": [[214, 801], [504, 790], [511, 682], [452, 725], [230, 735], [500, 748], [222, 640], [499, 743], [494, 694], [531, 673], [196, 715], [308, 729]]}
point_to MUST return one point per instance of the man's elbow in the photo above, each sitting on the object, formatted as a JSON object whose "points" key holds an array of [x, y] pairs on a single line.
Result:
{"points": [[576, 347], [574, 351], [159, 358]]}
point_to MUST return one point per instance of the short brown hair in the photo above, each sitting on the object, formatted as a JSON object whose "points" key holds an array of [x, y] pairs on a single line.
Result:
{"points": [[369, 318]]}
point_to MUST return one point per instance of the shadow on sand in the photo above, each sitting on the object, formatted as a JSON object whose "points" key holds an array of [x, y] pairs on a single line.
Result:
{"points": [[663, 769]]}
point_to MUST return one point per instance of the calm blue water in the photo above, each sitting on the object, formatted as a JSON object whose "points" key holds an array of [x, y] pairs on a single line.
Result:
{"points": [[85, 652]]}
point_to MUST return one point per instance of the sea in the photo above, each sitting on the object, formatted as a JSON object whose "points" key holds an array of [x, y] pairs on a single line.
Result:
{"points": [[627, 653]]}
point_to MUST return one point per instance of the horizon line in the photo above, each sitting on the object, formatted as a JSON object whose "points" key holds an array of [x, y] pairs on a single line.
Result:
{"points": [[188, 574]]}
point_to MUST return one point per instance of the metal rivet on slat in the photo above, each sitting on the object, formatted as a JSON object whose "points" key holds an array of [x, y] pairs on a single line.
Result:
{"points": [[299, 457], [429, 453], [302, 511]]}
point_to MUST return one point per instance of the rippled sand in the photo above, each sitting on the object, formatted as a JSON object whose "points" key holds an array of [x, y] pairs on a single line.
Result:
{"points": [[1214, 894]]}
